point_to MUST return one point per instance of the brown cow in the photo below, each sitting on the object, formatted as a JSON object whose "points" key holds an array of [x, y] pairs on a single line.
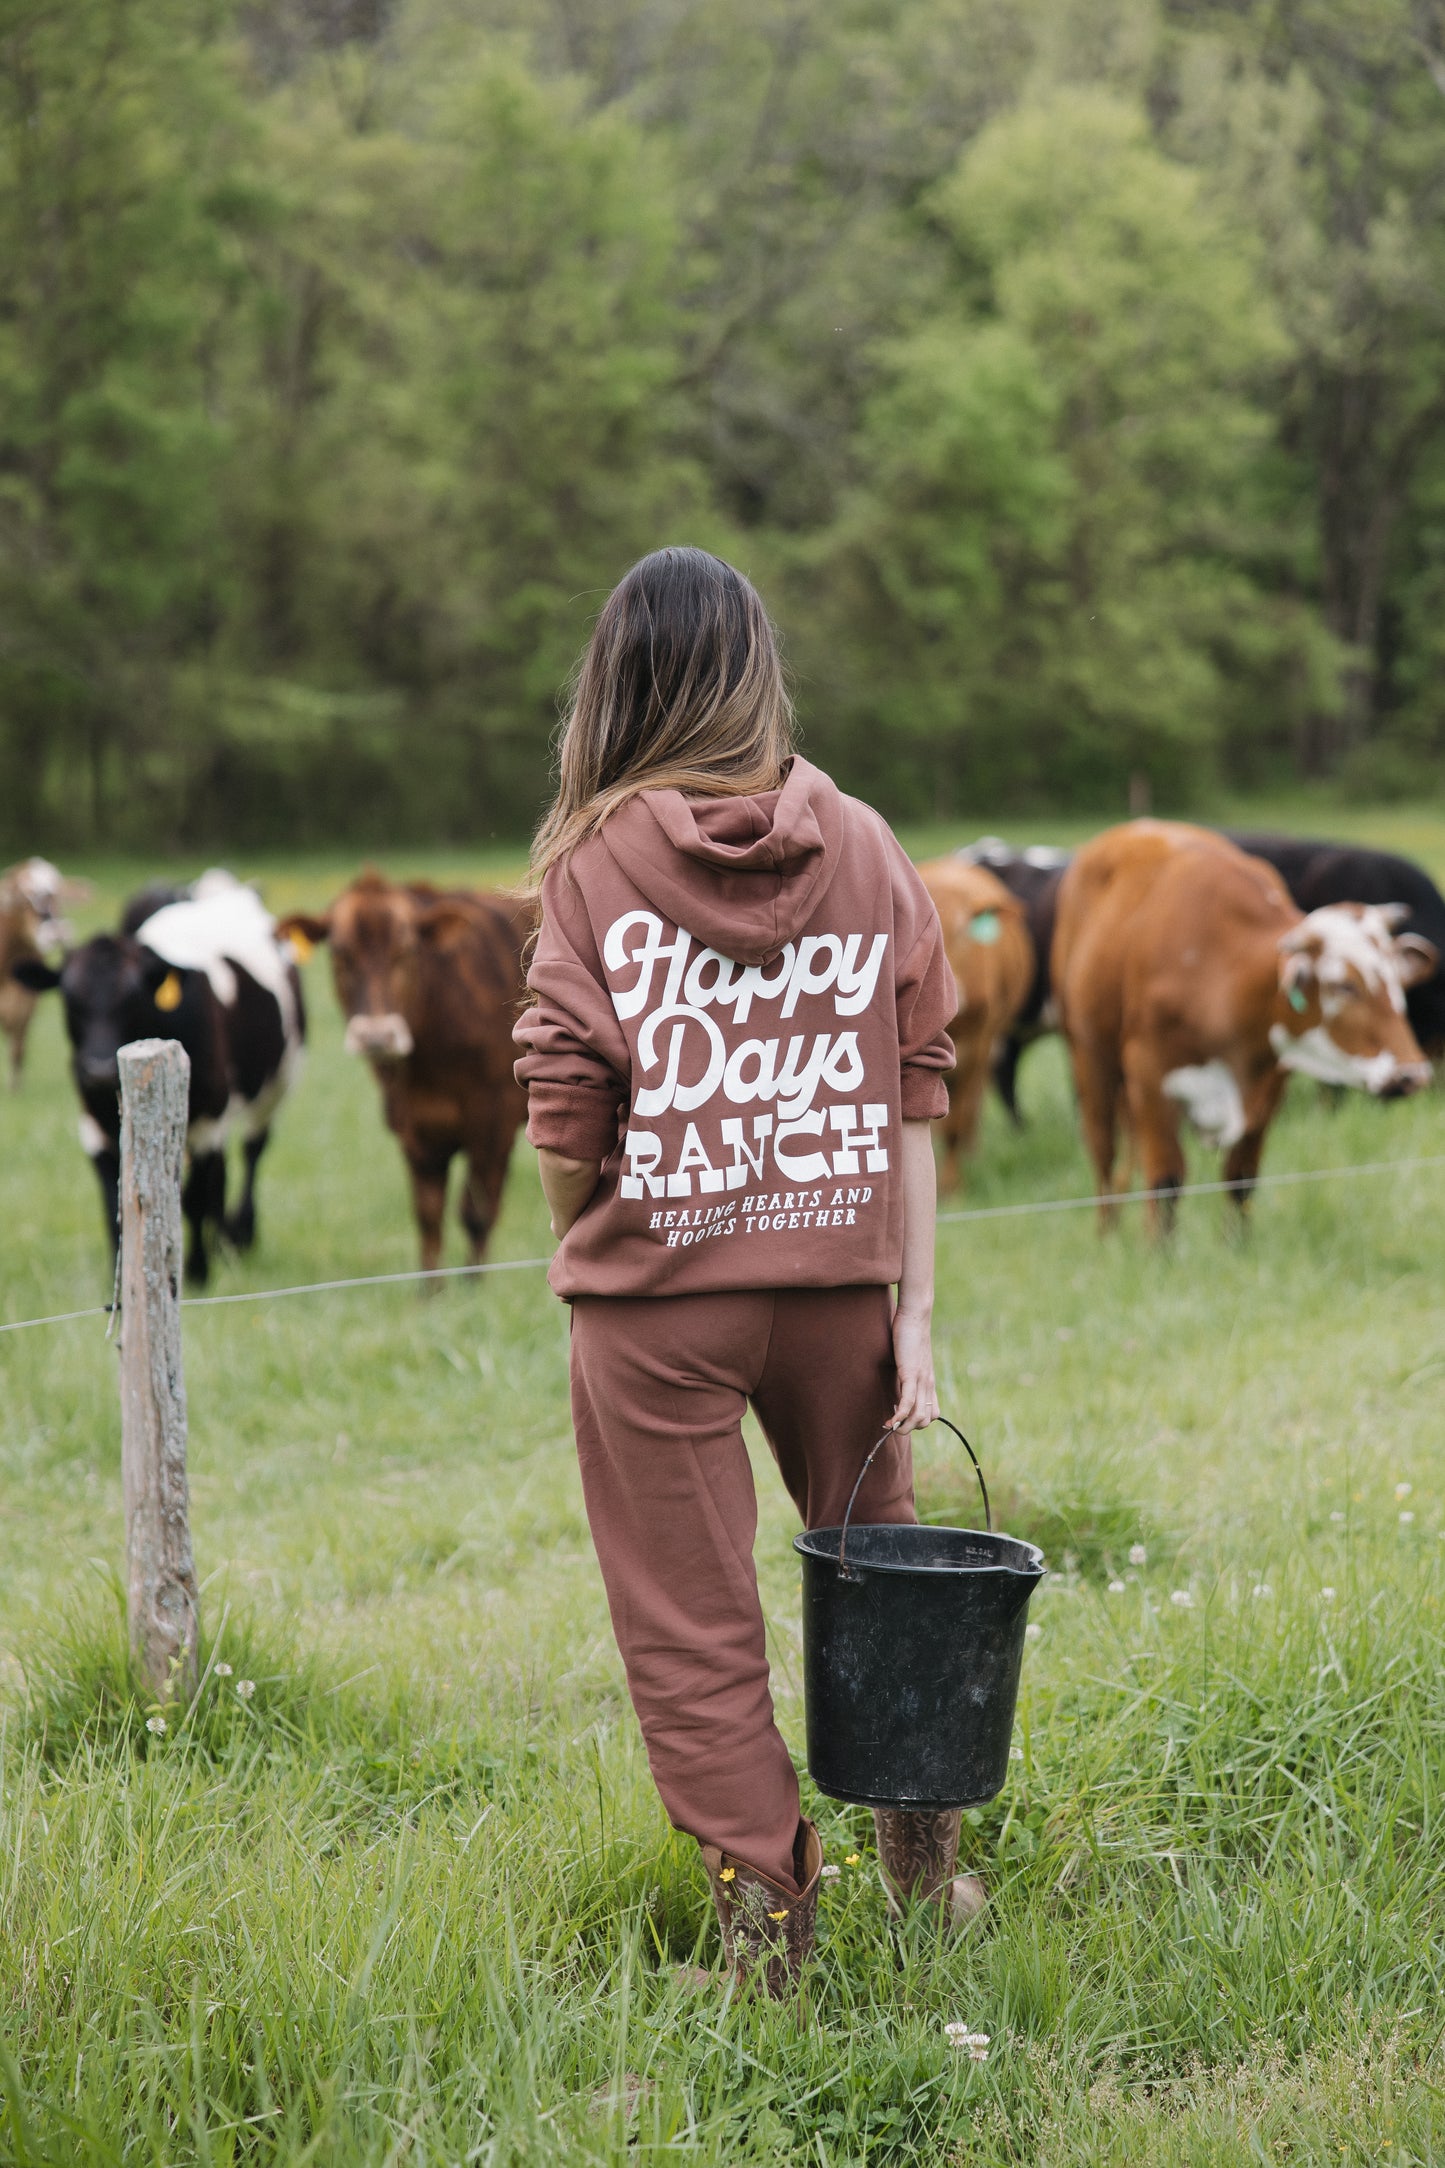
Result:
{"points": [[429, 981], [986, 933], [1189, 984], [29, 927]]}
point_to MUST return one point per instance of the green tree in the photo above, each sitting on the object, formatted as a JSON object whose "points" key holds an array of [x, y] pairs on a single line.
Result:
{"points": [[118, 267], [1320, 126], [459, 421], [1047, 563]]}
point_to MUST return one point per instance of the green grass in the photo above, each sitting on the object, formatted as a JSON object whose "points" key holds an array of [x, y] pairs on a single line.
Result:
{"points": [[414, 1899]]}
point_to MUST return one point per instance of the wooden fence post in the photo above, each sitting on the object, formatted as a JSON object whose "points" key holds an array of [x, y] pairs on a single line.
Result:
{"points": [[162, 1598]]}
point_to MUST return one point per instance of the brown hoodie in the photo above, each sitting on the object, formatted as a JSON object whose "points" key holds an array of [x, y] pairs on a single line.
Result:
{"points": [[738, 1000]]}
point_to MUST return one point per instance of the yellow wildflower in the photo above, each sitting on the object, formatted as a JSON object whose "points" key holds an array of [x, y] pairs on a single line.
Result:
{"points": [[851, 1860], [727, 1874]]}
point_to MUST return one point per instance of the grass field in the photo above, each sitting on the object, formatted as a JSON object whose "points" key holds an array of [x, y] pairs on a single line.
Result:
{"points": [[413, 1899]]}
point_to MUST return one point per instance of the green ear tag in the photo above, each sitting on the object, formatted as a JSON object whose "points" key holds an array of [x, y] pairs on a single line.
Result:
{"points": [[1298, 1001], [984, 928]]}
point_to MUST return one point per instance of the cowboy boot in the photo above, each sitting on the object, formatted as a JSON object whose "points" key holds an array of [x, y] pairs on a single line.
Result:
{"points": [[917, 1853], [766, 1930]]}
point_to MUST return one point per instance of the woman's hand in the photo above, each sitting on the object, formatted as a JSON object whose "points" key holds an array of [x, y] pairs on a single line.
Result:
{"points": [[567, 1184], [913, 1357]]}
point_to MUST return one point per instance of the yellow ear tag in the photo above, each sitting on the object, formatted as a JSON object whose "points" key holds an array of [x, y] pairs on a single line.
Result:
{"points": [[168, 993], [301, 948]]}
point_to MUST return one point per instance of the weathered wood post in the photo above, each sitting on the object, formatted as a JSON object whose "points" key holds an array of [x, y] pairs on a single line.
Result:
{"points": [[162, 1598]]}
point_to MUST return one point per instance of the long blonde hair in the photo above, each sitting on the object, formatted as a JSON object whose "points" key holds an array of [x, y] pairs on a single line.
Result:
{"points": [[681, 688]]}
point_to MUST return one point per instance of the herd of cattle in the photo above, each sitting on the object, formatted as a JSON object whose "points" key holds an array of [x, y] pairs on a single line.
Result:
{"points": [[1191, 973]]}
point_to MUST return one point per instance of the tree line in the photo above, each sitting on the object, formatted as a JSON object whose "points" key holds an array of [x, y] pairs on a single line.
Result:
{"points": [[1067, 372]]}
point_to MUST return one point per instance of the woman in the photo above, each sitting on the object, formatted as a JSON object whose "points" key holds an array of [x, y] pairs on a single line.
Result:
{"points": [[736, 1045]]}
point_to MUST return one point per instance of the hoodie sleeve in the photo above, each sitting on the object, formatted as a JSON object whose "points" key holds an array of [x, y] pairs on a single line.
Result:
{"points": [[573, 1058], [927, 995]]}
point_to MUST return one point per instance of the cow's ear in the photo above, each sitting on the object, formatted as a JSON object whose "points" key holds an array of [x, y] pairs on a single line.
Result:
{"points": [[1299, 952], [1297, 980], [162, 981], [31, 972], [1417, 958], [304, 930]]}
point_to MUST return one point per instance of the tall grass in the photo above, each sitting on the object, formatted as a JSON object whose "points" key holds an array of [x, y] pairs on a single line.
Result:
{"points": [[413, 1897]]}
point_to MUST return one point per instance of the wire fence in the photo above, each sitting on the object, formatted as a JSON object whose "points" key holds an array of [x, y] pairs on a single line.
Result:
{"points": [[1038, 1208]]}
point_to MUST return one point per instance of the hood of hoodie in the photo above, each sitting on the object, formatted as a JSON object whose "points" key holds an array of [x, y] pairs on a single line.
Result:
{"points": [[743, 875]]}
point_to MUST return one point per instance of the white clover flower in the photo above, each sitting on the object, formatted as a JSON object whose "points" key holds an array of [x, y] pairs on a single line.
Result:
{"points": [[1337, 1516], [1032, 1631], [223, 1671], [831, 1874], [1403, 1490], [1262, 1588], [245, 1688], [1116, 1588], [1327, 1595], [156, 1724], [1138, 1556], [1405, 1519], [1182, 1597], [977, 2043], [1015, 1753]]}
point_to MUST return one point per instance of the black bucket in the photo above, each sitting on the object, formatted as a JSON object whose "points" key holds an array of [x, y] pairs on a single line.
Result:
{"points": [[913, 1641]]}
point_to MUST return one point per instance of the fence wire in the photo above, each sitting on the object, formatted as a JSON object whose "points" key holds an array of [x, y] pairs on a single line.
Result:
{"points": [[1291, 1178]]}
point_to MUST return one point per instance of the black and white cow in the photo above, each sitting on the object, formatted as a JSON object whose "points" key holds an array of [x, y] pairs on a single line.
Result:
{"points": [[208, 971], [1033, 875], [1318, 873]]}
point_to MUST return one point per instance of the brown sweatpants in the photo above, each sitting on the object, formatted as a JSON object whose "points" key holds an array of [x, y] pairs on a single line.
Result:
{"points": [[659, 1385]]}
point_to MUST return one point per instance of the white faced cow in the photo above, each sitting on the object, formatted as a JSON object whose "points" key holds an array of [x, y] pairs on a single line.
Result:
{"points": [[30, 930], [208, 971], [1191, 987]]}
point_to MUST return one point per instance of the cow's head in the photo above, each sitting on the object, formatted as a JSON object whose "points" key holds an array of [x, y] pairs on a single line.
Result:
{"points": [[114, 991], [31, 895], [1343, 972], [381, 936]]}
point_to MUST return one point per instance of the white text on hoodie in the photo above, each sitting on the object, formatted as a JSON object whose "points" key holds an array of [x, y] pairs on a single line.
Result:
{"points": [[807, 1143]]}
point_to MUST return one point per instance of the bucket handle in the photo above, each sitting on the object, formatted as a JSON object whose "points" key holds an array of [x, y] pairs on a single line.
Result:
{"points": [[843, 1571]]}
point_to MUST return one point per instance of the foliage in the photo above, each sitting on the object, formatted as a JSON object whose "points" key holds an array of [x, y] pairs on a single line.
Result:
{"points": [[117, 265], [1068, 374], [1061, 490]]}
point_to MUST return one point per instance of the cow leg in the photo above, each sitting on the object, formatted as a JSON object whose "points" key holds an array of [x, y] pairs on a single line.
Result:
{"points": [[241, 1226], [948, 1134], [15, 1033], [1007, 1057], [203, 1200], [1241, 1162], [429, 1171], [1154, 1121], [107, 1170], [1096, 1081], [481, 1198], [964, 1109], [971, 1103]]}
